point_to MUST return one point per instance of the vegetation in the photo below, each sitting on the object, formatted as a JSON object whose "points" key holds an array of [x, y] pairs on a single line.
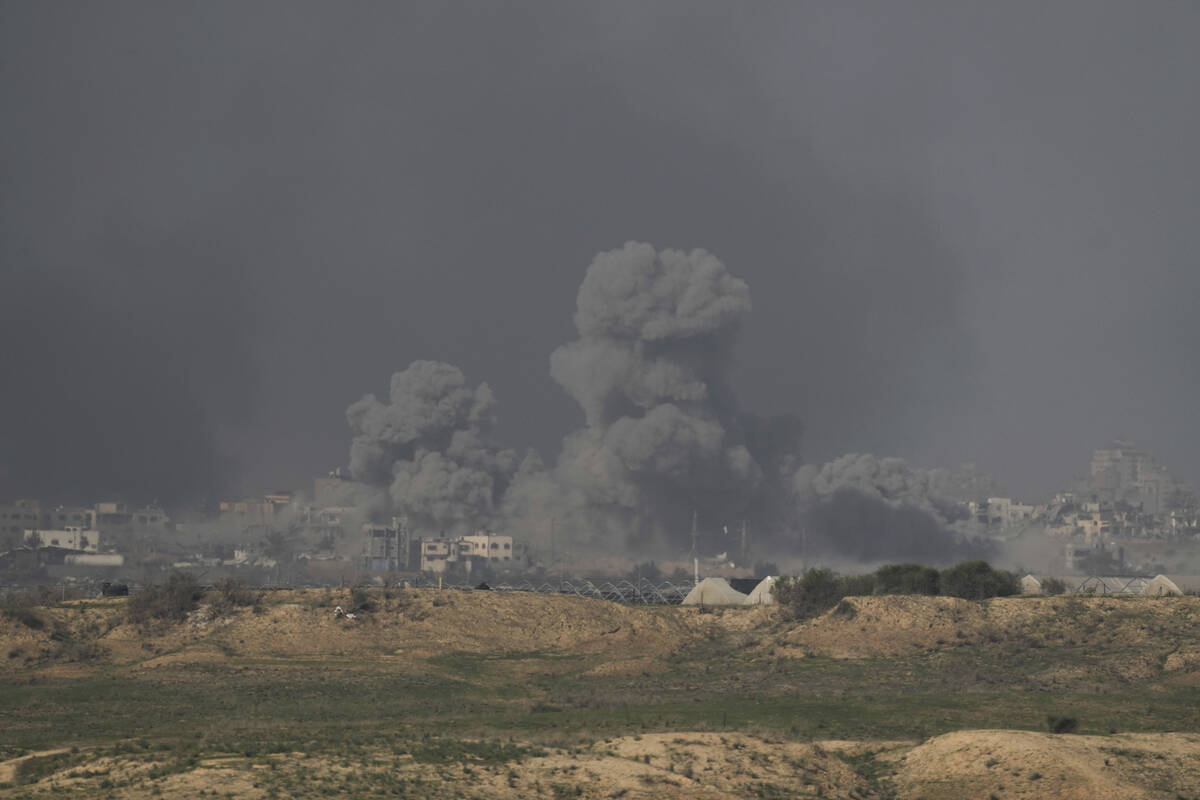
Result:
{"points": [[172, 600], [1061, 724], [978, 580], [1054, 586], [818, 589], [19, 607], [397, 724], [810, 594], [228, 594], [906, 579]]}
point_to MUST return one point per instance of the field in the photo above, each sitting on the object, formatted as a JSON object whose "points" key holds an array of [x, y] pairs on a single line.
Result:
{"points": [[480, 694]]}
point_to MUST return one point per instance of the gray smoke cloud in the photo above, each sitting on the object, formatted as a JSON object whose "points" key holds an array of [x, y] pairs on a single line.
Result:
{"points": [[663, 438], [430, 445], [869, 508], [663, 435]]}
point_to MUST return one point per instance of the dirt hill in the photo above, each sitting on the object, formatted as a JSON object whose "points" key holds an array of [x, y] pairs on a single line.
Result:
{"points": [[486, 694]]}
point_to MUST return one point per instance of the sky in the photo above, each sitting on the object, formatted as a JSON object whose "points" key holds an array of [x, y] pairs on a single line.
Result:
{"points": [[969, 230]]}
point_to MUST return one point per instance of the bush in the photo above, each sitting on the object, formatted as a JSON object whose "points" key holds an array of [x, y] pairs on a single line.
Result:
{"points": [[19, 606], [360, 599], [857, 585], [1061, 724], [234, 593], [977, 580], [167, 601], [818, 590], [1054, 586], [906, 579]]}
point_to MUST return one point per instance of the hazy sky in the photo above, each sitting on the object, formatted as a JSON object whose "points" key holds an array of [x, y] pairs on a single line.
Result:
{"points": [[970, 230]]}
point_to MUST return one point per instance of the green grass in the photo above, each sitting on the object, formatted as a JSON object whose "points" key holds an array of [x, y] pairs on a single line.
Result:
{"points": [[279, 704], [488, 712]]}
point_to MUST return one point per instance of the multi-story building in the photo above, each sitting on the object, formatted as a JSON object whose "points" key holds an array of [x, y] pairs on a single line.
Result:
{"points": [[469, 553], [1001, 513], [249, 512], [436, 554], [1127, 473], [70, 538], [386, 547], [17, 517]]}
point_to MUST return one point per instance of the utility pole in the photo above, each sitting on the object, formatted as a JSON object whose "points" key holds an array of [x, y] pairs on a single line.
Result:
{"points": [[745, 549], [695, 555]]}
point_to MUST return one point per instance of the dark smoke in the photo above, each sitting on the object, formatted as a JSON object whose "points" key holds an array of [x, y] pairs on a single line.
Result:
{"points": [[663, 440], [650, 371], [430, 445], [864, 508]]}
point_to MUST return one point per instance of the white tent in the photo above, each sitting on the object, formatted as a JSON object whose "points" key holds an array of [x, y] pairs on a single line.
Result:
{"points": [[714, 592], [761, 596], [1173, 585]]}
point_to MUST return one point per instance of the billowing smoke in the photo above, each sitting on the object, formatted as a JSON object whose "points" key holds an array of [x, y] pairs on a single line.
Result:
{"points": [[430, 445], [866, 508], [663, 439], [649, 370]]}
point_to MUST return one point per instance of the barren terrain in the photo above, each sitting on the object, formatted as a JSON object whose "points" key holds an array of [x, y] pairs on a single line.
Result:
{"points": [[482, 694]]}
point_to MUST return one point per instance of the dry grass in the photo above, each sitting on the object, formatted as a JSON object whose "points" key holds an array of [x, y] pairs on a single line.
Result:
{"points": [[513, 695]]}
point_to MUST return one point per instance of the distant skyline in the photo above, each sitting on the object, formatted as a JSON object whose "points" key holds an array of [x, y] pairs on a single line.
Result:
{"points": [[969, 232]]}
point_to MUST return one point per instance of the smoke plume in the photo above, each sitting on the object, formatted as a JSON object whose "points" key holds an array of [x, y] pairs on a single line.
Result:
{"points": [[663, 439], [663, 436], [430, 445], [866, 508]]}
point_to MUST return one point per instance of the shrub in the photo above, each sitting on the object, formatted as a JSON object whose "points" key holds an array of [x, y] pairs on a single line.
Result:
{"points": [[360, 599], [1061, 724], [906, 579], [233, 593], [168, 601], [1054, 586], [815, 591], [977, 580], [857, 585], [19, 608]]}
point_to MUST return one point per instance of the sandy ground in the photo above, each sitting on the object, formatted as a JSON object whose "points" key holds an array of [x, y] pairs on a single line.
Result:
{"points": [[413, 625], [1023, 764], [957, 766]]}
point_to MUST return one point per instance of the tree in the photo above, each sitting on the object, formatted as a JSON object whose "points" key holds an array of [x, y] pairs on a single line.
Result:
{"points": [[977, 580], [818, 590], [171, 600], [906, 579]]}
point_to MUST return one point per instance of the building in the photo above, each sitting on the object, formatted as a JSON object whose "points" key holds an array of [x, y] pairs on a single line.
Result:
{"points": [[24, 515], [130, 528], [387, 547], [1123, 472], [249, 512], [332, 490], [474, 552], [435, 554], [18, 517], [71, 538], [94, 560], [68, 516]]}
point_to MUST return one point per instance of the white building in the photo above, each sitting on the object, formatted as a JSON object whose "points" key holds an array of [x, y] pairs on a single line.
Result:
{"points": [[477, 551], [72, 538]]}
